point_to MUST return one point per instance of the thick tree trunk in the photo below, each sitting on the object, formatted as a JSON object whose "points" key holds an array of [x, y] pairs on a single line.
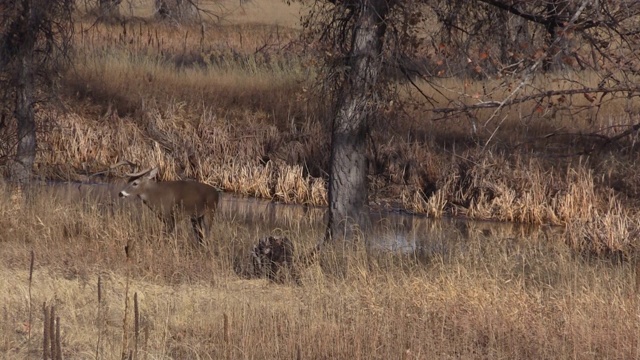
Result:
{"points": [[109, 9], [26, 126], [558, 14], [177, 10], [355, 106], [25, 97]]}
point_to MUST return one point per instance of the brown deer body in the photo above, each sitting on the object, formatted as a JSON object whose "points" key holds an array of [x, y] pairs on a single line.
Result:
{"points": [[172, 199]]}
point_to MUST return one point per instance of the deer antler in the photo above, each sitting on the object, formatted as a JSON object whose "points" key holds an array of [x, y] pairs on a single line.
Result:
{"points": [[140, 173], [123, 162]]}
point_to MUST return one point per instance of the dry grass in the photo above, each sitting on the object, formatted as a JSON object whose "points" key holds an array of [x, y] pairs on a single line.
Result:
{"points": [[229, 104], [136, 65], [492, 293]]}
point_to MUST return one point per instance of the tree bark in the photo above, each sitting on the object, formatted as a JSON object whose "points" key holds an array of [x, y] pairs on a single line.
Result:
{"points": [[109, 9], [558, 13], [25, 97], [355, 106], [177, 10], [35, 40], [26, 126]]}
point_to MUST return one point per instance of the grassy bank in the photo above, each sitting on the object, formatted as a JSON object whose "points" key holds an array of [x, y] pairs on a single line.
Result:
{"points": [[491, 295], [236, 104]]}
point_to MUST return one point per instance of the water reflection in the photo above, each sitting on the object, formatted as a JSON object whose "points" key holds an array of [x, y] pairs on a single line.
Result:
{"points": [[391, 231], [252, 211]]}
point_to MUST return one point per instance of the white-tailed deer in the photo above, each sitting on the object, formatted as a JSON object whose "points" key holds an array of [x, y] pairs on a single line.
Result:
{"points": [[170, 199]]}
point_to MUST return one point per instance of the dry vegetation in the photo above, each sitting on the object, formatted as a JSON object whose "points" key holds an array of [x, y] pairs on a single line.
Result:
{"points": [[478, 292], [232, 104]]}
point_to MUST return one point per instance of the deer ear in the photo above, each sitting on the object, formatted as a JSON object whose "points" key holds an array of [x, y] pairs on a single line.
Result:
{"points": [[152, 173]]}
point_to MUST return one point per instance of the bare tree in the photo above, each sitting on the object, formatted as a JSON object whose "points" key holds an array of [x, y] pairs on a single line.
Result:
{"points": [[558, 36], [558, 30], [358, 29], [34, 41], [364, 41]]}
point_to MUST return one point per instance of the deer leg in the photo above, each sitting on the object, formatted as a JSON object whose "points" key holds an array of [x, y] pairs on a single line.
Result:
{"points": [[198, 224], [169, 225], [207, 220]]}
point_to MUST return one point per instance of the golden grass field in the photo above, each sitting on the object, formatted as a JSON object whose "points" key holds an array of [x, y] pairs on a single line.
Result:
{"points": [[497, 294], [235, 104]]}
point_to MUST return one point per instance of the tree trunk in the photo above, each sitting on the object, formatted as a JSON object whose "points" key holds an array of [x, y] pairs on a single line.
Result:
{"points": [[25, 98], [355, 105], [26, 126], [558, 13], [109, 9], [177, 10]]}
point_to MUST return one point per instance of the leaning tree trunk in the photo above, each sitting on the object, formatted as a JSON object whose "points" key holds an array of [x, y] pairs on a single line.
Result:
{"points": [[355, 106]]}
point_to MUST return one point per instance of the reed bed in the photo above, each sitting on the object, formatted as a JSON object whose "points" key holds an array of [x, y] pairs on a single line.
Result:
{"points": [[494, 293], [236, 104]]}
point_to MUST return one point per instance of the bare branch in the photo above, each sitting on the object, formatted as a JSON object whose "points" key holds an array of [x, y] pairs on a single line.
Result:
{"points": [[631, 90]]}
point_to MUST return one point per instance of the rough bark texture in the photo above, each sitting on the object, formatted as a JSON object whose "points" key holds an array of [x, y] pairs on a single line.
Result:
{"points": [[109, 9], [558, 43], [25, 94], [25, 117], [177, 10], [348, 187], [35, 38]]}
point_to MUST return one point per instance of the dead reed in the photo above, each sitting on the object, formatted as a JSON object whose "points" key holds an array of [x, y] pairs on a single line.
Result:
{"points": [[492, 293], [230, 105]]}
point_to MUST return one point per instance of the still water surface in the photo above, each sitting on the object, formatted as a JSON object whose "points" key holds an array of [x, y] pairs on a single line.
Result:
{"points": [[392, 231]]}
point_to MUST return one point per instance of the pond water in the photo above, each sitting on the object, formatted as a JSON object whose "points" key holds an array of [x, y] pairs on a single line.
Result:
{"points": [[391, 231], [394, 232], [536, 255]]}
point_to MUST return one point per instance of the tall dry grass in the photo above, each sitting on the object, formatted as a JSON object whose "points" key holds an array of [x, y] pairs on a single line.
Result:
{"points": [[234, 103], [192, 123], [487, 294], [230, 105]]}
